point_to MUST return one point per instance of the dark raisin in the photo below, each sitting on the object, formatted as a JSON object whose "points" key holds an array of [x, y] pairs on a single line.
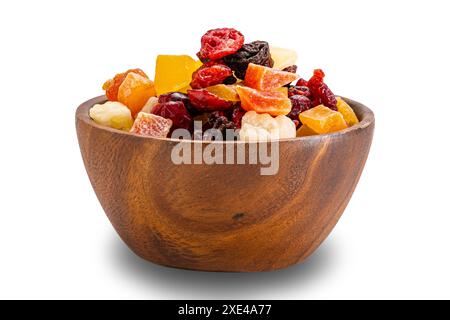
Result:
{"points": [[219, 121], [230, 80], [291, 69], [256, 52]]}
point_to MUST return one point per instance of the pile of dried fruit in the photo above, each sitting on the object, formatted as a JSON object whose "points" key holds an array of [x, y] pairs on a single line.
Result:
{"points": [[246, 87]]}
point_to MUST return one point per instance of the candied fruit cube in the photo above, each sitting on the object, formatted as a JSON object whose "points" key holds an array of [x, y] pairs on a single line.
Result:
{"points": [[112, 114], [174, 73], [272, 102], [305, 131], [347, 111], [226, 92], [322, 119], [283, 58], [263, 127], [135, 91], [267, 79], [151, 125]]}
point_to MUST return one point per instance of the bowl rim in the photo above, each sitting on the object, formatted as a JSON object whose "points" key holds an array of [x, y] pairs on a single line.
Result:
{"points": [[365, 115]]}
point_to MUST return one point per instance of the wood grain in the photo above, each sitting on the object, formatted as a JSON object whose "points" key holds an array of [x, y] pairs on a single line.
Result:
{"points": [[223, 217]]}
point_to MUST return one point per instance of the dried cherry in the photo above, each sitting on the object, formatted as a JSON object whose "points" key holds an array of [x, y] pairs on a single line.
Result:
{"points": [[218, 43], [299, 103], [321, 92], [175, 111], [204, 101], [237, 115], [256, 52], [178, 96], [210, 74], [297, 90]]}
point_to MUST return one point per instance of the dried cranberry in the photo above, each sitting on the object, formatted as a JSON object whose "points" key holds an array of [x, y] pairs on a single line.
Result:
{"points": [[301, 83], [256, 52], [204, 101], [237, 115], [178, 96], [291, 69], [296, 90], [175, 111], [210, 74], [320, 91], [299, 104], [218, 43]]}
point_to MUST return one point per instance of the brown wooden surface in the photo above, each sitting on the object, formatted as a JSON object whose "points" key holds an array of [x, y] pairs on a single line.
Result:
{"points": [[223, 217]]}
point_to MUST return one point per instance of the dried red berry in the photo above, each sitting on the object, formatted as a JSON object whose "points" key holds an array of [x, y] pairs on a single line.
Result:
{"points": [[175, 111], [178, 96], [237, 115], [256, 52], [218, 43], [301, 83], [299, 104], [210, 74], [204, 101], [320, 91], [296, 90]]}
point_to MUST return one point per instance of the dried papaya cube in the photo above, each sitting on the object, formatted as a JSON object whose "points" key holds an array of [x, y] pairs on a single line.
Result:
{"points": [[322, 119], [274, 103], [267, 79], [226, 92], [347, 111], [151, 125], [112, 85], [174, 72], [305, 131], [135, 91]]}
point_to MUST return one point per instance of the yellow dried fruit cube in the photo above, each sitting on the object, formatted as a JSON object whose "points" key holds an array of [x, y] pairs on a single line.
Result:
{"points": [[305, 131], [347, 111], [322, 119], [174, 73]]}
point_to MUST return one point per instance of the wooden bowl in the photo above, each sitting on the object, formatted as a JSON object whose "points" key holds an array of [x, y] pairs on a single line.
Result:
{"points": [[223, 217]]}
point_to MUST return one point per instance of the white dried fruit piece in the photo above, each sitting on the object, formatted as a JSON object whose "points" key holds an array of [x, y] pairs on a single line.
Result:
{"points": [[112, 114], [150, 104], [263, 127], [283, 58]]}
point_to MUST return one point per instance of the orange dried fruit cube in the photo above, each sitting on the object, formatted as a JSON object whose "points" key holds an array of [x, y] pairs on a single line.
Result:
{"points": [[174, 73], [322, 119], [347, 111], [226, 92], [274, 103], [151, 125], [305, 131], [267, 79], [112, 85], [135, 91]]}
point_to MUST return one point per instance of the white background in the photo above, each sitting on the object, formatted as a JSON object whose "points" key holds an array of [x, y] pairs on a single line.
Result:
{"points": [[392, 241]]}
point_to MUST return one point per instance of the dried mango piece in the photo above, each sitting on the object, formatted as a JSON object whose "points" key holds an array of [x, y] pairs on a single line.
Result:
{"points": [[305, 131], [135, 91], [151, 125], [347, 111], [174, 73], [322, 119], [272, 102], [112, 114], [267, 79], [226, 92]]}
